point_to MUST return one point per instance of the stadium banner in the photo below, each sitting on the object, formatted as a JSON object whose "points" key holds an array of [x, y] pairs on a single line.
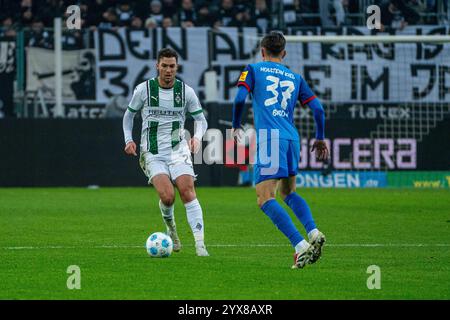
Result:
{"points": [[7, 74], [341, 179], [419, 179], [78, 73], [338, 73]]}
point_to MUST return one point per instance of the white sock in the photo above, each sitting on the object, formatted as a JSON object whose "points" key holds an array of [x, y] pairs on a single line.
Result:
{"points": [[195, 219], [167, 214], [312, 233], [301, 246]]}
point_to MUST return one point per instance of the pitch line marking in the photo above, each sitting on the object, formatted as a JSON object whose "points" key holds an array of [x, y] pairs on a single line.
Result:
{"points": [[343, 245]]}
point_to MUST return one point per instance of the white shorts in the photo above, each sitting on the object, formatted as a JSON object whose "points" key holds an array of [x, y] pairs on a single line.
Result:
{"points": [[173, 165]]}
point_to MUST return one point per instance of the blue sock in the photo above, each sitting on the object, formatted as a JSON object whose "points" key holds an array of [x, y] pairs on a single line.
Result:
{"points": [[282, 220], [301, 210]]}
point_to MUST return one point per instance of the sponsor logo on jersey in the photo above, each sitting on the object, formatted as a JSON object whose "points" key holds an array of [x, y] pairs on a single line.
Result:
{"points": [[164, 113], [243, 76], [279, 113]]}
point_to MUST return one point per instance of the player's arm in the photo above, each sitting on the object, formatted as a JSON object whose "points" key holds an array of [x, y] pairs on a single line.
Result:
{"points": [[200, 124], [127, 125], [135, 105], [200, 127], [245, 86], [307, 97]]}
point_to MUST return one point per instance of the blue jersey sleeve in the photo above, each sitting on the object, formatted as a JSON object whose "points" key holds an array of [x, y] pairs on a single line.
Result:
{"points": [[305, 93], [247, 78], [307, 97]]}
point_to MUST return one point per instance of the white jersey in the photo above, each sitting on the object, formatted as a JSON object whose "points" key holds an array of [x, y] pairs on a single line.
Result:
{"points": [[163, 114]]}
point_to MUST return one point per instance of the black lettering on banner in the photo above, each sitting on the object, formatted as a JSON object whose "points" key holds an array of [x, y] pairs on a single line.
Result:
{"points": [[155, 44], [104, 56], [389, 54], [141, 76], [365, 48], [373, 84], [378, 49], [327, 48], [443, 89], [242, 54], [230, 82], [304, 31], [117, 81], [314, 83], [358, 48], [429, 51], [354, 81], [180, 49], [132, 45], [415, 70], [231, 49]]}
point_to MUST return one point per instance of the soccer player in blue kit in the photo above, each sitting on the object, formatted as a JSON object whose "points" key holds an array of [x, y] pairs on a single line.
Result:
{"points": [[275, 91]]}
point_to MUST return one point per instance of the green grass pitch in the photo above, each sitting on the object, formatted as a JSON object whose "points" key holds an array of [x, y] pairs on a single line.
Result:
{"points": [[43, 231]]}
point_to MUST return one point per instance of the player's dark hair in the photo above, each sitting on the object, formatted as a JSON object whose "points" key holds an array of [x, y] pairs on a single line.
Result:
{"points": [[274, 43], [167, 53]]}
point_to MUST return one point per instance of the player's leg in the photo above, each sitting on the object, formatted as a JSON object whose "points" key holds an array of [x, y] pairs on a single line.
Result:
{"points": [[194, 213], [166, 193], [265, 192], [158, 173], [298, 204], [303, 213], [182, 173]]}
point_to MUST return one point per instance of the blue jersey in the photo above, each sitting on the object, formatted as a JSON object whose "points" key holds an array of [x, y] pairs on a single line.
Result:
{"points": [[275, 91]]}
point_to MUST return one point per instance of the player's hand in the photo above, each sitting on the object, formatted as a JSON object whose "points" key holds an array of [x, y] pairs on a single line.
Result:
{"points": [[236, 134], [321, 149], [194, 145], [130, 148]]}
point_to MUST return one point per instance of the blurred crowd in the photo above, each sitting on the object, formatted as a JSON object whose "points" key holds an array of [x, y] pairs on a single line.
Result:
{"points": [[264, 14]]}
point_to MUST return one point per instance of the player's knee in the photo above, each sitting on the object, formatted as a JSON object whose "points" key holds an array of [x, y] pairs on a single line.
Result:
{"points": [[264, 197], [167, 197], [284, 192], [187, 194]]}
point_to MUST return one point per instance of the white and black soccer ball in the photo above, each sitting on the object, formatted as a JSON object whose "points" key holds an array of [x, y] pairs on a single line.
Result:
{"points": [[159, 245]]}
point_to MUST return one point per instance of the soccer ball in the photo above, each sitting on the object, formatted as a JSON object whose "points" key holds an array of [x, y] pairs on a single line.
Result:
{"points": [[159, 245]]}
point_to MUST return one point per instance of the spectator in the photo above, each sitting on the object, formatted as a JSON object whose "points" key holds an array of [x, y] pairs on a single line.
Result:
{"points": [[290, 9], [167, 22], [109, 19], [395, 14], [26, 18], [95, 10], [38, 37], [262, 15], [49, 10], [151, 23], [124, 13], [204, 18], [170, 8], [156, 11], [226, 12], [325, 13], [242, 17], [187, 15], [7, 29], [136, 23]]}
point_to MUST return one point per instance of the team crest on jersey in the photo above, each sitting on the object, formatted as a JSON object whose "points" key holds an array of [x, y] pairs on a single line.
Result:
{"points": [[177, 98], [243, 76]]}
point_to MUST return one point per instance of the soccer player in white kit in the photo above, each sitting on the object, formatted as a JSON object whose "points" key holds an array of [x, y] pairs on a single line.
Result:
{"points": [[165, 155]]}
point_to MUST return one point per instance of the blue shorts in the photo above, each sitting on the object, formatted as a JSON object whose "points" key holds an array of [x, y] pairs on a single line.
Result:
{"points": [[269, 167]]}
